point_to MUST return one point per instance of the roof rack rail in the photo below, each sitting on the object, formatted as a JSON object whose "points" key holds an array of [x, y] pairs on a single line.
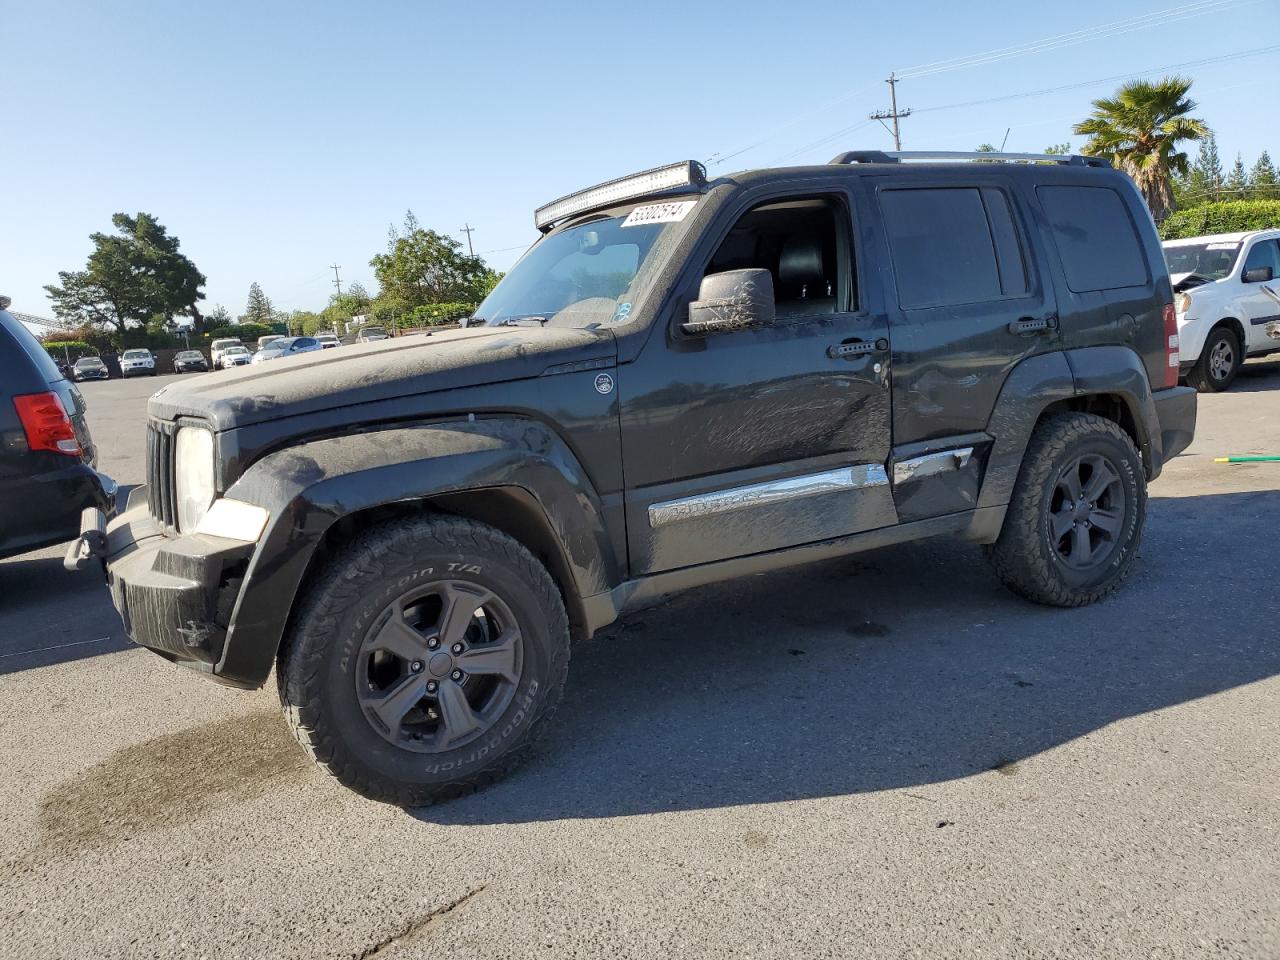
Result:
{"points": [[879, 156]]}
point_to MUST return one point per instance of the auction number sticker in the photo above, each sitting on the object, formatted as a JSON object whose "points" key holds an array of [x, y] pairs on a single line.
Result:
{"points": [[671, 212]]}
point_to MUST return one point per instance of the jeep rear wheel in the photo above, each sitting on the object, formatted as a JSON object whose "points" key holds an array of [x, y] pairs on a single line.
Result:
{"points": [[424, 659], [1076, 518], [1219, 361]]}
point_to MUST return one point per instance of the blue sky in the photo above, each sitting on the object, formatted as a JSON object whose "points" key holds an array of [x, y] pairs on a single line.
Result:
{"points": [[278, 138]]}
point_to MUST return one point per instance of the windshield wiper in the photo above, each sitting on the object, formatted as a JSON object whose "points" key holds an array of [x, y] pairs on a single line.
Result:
{"points": [[533, 320]]}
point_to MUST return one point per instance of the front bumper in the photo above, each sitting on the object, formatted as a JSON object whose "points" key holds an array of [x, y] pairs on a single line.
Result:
{"points": [[175, 594], [1176, 411]]}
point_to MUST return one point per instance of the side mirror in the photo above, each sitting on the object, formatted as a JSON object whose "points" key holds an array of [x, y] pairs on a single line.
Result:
{"points": [[732, 300], [1258, 275]]}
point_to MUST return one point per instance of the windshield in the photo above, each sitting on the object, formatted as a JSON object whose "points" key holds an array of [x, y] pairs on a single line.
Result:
{"points": [[189, 355], [89, 362], [1213, 261], [136, 354], [584, 275], [237, 350]]}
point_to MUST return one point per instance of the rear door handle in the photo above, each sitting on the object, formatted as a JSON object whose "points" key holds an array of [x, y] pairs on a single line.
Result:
{"points": [[1033, 325], [859, 348]]}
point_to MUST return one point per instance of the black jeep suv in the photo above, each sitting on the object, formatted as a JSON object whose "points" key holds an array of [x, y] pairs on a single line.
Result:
{"points": [[47, 457], [683, 380]]}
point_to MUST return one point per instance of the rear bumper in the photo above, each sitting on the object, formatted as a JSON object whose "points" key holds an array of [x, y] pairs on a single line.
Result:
{"points": [[43, 509], [1176, 411], [175, 594]]}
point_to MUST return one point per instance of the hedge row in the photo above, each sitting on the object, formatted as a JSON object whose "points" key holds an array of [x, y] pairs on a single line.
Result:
{"points": [[75, 349], [1229, 216], [435, 313]]}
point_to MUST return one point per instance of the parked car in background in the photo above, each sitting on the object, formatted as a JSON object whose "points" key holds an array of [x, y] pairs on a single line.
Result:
{"points": [[286, 347], [234, 356], [137, 363], [47, 457], [270, 338], [221, 344], [1227, 295], [189, 361], [369, 334], [328, 341], [90, 368]]}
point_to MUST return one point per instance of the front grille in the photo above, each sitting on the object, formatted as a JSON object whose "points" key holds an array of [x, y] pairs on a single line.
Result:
{"points": [[160, 482]]}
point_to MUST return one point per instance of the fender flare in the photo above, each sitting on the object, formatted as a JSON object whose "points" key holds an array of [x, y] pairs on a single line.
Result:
{"points": [[309, 487], [1061, 377]]}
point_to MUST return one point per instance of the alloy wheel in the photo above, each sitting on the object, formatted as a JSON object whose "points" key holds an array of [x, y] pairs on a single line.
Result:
{"points": [[1087, 512], [439, 667]]}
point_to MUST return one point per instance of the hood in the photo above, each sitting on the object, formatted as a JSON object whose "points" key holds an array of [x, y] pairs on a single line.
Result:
{"points": [[1187, 281], [382, 370]]}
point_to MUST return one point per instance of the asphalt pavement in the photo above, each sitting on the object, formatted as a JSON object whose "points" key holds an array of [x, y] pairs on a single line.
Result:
{"points": [[881, 756]]}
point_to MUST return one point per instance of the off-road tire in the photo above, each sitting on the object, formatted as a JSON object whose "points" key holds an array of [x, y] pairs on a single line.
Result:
{"points": [[316, 675], [1026, 556], [1201, 376]]}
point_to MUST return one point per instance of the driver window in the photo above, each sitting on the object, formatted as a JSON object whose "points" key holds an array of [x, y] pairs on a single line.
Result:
{"points": [[803, 245]]}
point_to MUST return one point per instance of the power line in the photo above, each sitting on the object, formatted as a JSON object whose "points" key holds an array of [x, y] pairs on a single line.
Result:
{"points": [[1096, 32], [1240, 54], [1222, 58], [1084, 35]]}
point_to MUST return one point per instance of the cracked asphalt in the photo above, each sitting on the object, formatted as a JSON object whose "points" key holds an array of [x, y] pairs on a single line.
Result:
{"points": [[881, 756]]}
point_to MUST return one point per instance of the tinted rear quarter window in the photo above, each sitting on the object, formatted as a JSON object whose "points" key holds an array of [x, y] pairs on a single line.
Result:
{"points": [[29, 349], [953, 245], [1096, 237]]}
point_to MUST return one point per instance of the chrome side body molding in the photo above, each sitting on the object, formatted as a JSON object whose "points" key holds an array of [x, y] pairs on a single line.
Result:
{"points": [[774, 491], [931, 463]]}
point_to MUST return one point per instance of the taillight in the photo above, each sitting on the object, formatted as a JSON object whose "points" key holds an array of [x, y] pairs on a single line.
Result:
{"points": [[46, 424], [1172, 346]]}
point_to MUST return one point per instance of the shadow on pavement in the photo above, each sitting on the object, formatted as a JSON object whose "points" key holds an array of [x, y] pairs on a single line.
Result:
{"points": [[1257, 376], [904, 667]]}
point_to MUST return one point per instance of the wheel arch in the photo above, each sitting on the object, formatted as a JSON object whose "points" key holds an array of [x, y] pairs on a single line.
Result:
{"points": [[515, 474]]}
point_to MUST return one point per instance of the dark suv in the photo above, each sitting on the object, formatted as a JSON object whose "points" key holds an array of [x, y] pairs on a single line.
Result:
{"points": [[47, 458], [684, 380]]}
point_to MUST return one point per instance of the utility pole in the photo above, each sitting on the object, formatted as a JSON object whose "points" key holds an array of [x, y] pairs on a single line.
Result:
{"points": [[337, 280], [892, 113], [467, 228]]}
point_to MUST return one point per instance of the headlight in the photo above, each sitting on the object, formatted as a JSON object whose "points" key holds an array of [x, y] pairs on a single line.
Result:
{"points": [[193, 466]]}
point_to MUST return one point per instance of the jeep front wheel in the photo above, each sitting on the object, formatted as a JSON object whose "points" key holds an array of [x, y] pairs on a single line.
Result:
{"points": [[424, 659], [1078, 509]]}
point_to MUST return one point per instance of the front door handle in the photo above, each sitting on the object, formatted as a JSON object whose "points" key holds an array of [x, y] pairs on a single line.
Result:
{"points": [[1033, 325], [858, 348]]}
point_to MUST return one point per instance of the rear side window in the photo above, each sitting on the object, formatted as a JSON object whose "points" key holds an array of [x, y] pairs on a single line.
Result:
{"points": [[1096, 237], [953, 245], [31, 347]]}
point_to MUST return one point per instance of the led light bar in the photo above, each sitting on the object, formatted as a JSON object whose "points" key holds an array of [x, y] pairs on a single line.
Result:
{"points": [[687, 173]]}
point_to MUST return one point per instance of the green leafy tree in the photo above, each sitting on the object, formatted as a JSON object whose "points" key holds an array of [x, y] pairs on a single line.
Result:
{"points": [[131, 276], [258, 308], [1139, 130], [1205, 178], [1058, 149], [422, 267], [1238, 179], [1264, 179], [219, 316]]}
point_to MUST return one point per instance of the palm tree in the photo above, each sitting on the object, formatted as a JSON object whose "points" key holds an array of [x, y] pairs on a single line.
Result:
{"points": [[1139, 129]]}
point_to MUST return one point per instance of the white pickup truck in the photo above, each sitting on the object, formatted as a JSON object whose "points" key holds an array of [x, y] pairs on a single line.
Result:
{"points": [[1227, 295]]}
